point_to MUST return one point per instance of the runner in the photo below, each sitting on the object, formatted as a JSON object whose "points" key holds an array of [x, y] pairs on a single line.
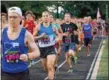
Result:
{"points": [[69, 30], [100, 22], [29, 23], [46, 42], [15, 43], [76, 39], [80, 34], [4, 20], [87, 30], [58, 39]]}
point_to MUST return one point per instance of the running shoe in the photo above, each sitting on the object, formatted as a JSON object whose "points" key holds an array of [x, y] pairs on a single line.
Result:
{"points": [[76, 60], [70, 70]]}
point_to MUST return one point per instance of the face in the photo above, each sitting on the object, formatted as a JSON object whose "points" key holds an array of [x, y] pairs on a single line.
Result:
{"points": [[51, 18], [86, 20], [58, 21], [67, 18], [89, 19], [3, 18], [28, 16], [45, 17], [14, 19]]}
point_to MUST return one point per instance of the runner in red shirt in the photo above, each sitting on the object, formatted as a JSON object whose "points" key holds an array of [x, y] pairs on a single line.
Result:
{"points": [[29, 22]]}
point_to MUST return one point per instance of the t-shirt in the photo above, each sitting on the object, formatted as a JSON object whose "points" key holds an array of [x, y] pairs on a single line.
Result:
{"points": [[69, 28], [30, 25]]}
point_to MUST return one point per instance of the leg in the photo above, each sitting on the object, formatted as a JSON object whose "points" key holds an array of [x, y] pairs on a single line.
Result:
{"points": [[44, 64], [69, 60], [89, 41], [56, 61], [89, 46], [71, 54], [77, 49], [50, 66], [86, 44]]}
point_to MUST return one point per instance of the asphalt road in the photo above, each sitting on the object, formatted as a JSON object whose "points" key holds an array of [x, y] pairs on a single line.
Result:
{"points": [[80, 70]]}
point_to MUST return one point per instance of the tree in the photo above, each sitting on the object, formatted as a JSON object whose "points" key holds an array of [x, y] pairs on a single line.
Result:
{"points": [[76, 8]]}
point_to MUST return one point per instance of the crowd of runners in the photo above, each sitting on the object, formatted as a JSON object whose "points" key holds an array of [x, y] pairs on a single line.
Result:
{"points": [[24, 38]]}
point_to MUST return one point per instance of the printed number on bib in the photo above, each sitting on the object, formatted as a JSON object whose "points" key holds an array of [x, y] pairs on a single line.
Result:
{"points": [[68, 40]]}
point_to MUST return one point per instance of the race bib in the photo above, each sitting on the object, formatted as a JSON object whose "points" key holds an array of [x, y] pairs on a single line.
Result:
{"points": [[12, 57], [68, 40], [45, 40], [12, 52]]}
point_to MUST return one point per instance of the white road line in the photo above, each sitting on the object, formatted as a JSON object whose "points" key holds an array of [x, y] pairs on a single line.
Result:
{"points": [[61, 64], [89, 73], [34, 63], [95, 70]]}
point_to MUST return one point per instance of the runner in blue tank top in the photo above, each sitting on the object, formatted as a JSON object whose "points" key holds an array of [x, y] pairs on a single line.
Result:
{"points": [[15, 43], [46, 41], [87, 30]]}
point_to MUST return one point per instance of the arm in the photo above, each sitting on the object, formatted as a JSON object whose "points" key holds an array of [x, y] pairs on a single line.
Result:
{"points": [[36, 29], [63, 33], [76, 30], [60, 29], [32, 45]]}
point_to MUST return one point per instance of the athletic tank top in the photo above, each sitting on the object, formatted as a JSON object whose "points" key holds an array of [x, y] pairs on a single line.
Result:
{"points": [[49, 39], [87, 31], [11, 51]]}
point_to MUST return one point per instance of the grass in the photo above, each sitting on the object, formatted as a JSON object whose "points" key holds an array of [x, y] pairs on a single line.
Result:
{"points": [[103, 68]]}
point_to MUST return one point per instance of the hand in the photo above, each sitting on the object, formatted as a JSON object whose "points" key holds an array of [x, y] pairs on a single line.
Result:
{"points": [[66, 33], [43, 34], [26, 25], [75, 33], [54, 29], [24, 57]]}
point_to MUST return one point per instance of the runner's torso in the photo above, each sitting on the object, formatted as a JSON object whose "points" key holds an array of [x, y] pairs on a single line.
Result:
{"points": [[49, 39], [87, 31], [68, 28], [11, 51]]}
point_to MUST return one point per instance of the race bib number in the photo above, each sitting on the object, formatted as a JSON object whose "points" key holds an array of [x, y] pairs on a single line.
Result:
{"points": [[45, 40], [12, 52], [12, 57], [68, 40]]}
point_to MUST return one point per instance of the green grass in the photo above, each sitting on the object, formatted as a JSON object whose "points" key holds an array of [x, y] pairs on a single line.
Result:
{"points": [[103, 68]]}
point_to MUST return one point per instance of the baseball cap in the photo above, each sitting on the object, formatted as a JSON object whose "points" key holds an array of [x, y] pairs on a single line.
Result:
{"points": [[16, 10]]}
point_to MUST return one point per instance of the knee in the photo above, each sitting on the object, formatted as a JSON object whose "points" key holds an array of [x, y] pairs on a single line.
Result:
{"points": [[71, 52], [50, 67]]}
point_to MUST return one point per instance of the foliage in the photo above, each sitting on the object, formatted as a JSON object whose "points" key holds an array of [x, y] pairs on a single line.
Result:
{"points": [[76, 8]]}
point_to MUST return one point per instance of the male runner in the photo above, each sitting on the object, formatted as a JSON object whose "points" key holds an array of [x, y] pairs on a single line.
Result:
{"points": [[15, 43], [68, 40], [87, 30], [46, 42]]}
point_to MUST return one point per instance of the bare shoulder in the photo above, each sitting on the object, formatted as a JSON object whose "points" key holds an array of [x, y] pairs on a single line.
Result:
{"points": [[28, 37]]}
